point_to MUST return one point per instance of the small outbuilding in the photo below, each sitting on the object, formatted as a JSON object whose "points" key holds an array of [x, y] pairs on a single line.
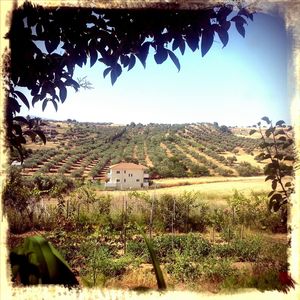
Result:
{"points": [[127, 175]]}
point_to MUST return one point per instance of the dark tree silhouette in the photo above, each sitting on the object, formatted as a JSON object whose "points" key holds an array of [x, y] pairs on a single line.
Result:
{"points": [[47, 44]]}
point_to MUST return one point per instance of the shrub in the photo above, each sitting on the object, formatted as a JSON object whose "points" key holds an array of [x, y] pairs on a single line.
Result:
{"points": [[247, 249], [197, 170], [182, 268], [216, 269], [246, 169]]}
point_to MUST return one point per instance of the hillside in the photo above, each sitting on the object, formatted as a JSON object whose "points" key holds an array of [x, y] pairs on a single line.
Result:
{"points": [[188, 150]]}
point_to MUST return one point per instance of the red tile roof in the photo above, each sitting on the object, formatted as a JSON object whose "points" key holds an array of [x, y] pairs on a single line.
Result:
{"points": [[128, 166]]}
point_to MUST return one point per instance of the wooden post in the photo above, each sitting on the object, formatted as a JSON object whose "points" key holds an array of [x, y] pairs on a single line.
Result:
{"points": [[151, 218], [68, 207], [173, 221], [125, 246], [78, 211]]}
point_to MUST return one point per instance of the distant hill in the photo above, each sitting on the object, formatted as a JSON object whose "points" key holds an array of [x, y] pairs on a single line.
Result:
{"points": [[180, 150]]}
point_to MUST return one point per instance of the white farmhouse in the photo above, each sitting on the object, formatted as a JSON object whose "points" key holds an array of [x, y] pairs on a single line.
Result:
{"points": [[127, 175]]}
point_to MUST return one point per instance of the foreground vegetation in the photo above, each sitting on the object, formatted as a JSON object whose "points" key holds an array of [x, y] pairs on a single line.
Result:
{"points": [[200, 245], [203, 241]]}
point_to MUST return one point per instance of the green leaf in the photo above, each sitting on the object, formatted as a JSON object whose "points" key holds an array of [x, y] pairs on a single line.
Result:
{"points": [[223, 35], [125, 60], [21, 119], [274, 184], [22, 97], [269, 131], [132, 61], [266, 119], [182, 47], [62, 92], [93, 55], [158, 273], [41, 135], [55, 105], [278, 156], [289, 158], [278, 132], [37, 257], [73, 83], [207, 40], [161, 55], [143, 53], [271, 193], [192, 39], [106, 71], [115, 73], [14, 105], [35, 99], [174, 59], [44, 104], [280, 123], [239, 19], [240, 28], [177, 41], [51, 45], [269, 177]]}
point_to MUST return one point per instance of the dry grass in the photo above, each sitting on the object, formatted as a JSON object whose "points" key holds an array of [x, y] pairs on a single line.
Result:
{"points": [[216, 192], [142, 277], [41, 146], [243, 156], [147, 159]]}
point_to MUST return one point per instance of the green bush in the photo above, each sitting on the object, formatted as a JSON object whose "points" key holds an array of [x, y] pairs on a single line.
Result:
{"points": [[182, 268], [246, 169], [247, 249], [216, 269]]}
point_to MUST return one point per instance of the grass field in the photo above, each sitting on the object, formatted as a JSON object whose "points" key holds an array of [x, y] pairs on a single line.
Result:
{"points": [[213, 189]]}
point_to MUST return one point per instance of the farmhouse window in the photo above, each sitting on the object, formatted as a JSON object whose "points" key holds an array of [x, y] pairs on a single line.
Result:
{"points": [[137, 180], [124, 180], [124, 171], [118, 172], [118, 180]]}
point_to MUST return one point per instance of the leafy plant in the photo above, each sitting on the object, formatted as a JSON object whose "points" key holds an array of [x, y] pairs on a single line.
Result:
{"points": [[36, 261], [158, 273], [277, 145]]}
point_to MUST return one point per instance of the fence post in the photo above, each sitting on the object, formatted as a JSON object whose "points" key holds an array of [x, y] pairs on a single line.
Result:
{"points": [[68, 208], [173, 221], [151, 217]]}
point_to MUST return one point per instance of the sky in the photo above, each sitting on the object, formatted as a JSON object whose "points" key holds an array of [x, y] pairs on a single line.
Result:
{"points": [[234, 86]]}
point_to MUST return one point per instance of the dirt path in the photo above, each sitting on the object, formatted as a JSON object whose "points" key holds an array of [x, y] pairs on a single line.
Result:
{"points": [[134, 154], [216, 162], [194, 160], [147, 159], [168, 152]]}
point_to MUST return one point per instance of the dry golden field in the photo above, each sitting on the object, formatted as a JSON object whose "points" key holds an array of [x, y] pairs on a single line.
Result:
{"points": [[213, 189]]}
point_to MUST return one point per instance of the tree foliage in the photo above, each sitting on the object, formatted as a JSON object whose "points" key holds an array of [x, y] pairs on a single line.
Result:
{"points": [[47, 44], [277, 147]]}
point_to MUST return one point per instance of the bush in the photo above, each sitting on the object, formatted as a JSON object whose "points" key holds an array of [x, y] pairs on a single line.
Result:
{"points": [[246, 169], [197, 170], [194, 245], [182, 268], [247, 249], [216, 269]]}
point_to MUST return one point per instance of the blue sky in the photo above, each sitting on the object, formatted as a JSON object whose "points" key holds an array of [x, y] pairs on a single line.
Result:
{"points": [[236, 85]]}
